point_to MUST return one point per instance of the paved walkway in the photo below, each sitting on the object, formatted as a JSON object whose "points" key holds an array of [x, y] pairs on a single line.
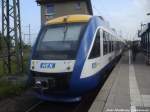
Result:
{"points": [[127, 89]]}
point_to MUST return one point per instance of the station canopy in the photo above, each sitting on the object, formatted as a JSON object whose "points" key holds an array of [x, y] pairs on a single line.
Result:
{"points": [[145, 29]]}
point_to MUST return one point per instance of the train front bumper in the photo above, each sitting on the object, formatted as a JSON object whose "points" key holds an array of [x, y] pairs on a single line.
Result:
{"points": [[61, 87]]}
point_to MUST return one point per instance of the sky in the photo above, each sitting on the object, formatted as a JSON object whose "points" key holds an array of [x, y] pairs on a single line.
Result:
{"points": [[123, 15]]}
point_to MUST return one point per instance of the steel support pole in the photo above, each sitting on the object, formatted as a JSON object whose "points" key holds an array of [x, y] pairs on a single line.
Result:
{"points": [[11, 31]]}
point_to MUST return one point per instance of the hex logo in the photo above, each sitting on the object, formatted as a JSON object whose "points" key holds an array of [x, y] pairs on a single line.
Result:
{"points": [[47, 65]]}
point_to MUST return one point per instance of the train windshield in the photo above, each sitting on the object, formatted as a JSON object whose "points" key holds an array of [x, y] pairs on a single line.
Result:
{"points": [[60, 42]]}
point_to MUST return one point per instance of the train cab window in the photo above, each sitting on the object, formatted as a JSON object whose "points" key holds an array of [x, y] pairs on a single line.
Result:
{"points": [[60, 42], [96, 47]]}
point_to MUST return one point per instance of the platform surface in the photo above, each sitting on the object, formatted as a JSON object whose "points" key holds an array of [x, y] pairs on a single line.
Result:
{"points": [[127, 89]]}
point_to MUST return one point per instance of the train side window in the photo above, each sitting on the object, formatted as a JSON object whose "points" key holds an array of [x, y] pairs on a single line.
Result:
{"points": [[96, 47], [109, 43], [149, 42], [107, 37], [104, 43], [144, 41], [149, 36], [112, 46], [116, 44]]}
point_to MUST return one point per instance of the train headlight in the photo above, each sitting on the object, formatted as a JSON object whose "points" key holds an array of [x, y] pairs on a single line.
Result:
{"points": [[68, 68], [32, 65]]}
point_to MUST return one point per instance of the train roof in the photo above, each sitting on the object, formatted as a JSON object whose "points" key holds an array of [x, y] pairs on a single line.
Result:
{"points": [[69, 19]]}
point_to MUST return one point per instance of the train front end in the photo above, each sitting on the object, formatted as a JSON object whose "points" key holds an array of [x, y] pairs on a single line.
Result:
{"points": [[53, 61]]}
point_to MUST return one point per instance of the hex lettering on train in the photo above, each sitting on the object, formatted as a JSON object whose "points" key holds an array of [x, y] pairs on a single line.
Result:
{"points": [[47, 65]]}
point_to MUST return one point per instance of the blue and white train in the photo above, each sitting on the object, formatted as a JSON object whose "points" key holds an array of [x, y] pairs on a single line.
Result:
{"points": [[70, 56]]}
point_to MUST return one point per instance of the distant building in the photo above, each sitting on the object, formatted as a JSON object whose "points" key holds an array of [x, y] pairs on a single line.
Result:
{"points": [[145, 42], [55, 8]]}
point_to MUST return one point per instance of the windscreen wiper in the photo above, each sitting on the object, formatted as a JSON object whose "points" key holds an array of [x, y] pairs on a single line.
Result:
{"points": [[65, 28]]}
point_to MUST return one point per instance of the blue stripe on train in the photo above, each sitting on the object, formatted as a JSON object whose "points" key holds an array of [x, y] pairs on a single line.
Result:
{"points": [[76, 83], [86, 84]]}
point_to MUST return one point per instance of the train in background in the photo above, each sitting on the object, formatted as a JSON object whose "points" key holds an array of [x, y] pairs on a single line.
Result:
{"points": [[70, 56]]}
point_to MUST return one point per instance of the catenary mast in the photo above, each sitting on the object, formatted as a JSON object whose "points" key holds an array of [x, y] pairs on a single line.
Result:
{"points": [[11, 31]]}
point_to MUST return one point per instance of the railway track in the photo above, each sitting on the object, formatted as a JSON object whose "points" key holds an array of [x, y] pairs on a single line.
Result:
{"points": [[82, 106], [53, 107]]}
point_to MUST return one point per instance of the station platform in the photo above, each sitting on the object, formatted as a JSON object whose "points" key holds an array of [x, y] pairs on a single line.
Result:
{"points": [[127, 89]]}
